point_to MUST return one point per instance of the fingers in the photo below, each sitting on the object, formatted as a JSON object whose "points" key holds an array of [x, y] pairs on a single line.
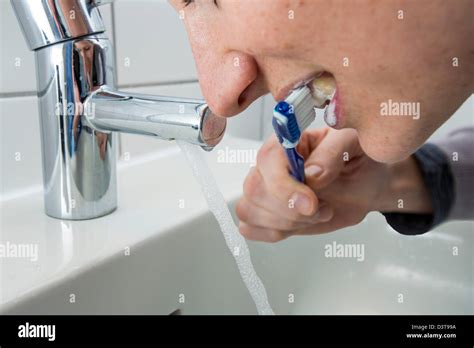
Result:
{"points": [[272, 164], [255, 215], [257, 193], [273, 235], [310, 139], [273, 232], [327, 160], [275, 206], [256, 223], [261, 234], [325, 227]]}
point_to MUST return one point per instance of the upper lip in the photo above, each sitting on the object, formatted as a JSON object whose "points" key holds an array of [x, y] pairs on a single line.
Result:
{"points": [[282, 93]]}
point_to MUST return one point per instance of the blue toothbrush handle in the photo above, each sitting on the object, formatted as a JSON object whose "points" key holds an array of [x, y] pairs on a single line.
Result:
{"points": [[296, 164]]}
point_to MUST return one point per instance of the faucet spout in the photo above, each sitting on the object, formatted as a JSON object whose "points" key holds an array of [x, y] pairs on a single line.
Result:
{"points": [[167, 118], [81, 110]]}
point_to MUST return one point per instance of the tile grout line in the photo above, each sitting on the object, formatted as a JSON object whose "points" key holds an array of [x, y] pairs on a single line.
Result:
{"points": [[114, 36], [6, 95], [157, 84]]}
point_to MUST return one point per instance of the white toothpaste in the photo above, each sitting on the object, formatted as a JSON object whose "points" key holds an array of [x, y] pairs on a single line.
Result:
{"points": [[330, 113]]}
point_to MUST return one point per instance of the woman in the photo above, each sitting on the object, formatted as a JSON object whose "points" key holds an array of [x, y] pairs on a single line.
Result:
{"points": [[401, 69]]}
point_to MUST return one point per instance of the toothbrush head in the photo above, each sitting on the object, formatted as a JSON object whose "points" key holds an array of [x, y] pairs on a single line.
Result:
{"points": [[293, 115], [285, 125], [303, 106]]}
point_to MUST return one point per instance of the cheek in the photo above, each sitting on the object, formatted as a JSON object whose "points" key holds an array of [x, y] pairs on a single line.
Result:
{"points": [[392, 137], [200, 30], [265, 25], [205, 41]]}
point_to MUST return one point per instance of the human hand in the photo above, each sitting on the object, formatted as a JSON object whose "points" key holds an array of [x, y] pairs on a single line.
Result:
{"points": [[342, 186]]}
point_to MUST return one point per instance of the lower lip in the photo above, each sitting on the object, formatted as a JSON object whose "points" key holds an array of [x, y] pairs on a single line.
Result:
{"points": [[332, 114]]}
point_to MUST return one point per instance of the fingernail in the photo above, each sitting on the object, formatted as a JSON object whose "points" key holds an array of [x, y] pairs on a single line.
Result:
{"points": [[313, 170], [302, 203], [324, 214], [314, 218]]}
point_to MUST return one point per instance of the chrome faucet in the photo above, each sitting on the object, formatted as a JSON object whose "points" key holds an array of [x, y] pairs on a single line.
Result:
{"points": [[80, 109]]}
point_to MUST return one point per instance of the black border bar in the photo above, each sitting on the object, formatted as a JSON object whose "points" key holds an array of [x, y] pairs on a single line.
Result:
{"points": [[179, 329]]}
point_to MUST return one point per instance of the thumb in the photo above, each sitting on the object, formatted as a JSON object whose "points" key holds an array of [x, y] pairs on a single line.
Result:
{"points": [[272, 164], [326, 161]]}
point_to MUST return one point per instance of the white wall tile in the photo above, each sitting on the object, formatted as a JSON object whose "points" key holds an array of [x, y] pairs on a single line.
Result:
{"points": [[20, 149], [245, 125], [17, 63], [151, 43], [107, 14]]}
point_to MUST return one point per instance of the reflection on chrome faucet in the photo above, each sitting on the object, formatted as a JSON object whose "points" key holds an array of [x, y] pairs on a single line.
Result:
{"points": [[80, 109]]}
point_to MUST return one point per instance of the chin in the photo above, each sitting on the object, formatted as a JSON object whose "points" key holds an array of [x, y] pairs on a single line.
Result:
{"points": [[384, 149]]}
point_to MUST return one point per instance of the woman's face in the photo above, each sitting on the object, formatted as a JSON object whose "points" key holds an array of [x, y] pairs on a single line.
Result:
{"points": [[401, 67]]}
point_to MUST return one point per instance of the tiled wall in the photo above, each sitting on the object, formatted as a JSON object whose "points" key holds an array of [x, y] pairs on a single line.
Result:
{"points": [[152, 56]]}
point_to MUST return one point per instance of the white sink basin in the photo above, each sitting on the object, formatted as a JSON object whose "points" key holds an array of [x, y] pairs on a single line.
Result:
{"points": [[178, 258]]}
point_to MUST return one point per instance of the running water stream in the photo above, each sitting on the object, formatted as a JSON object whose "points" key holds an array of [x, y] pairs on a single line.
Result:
{"points": [[234, 240]]}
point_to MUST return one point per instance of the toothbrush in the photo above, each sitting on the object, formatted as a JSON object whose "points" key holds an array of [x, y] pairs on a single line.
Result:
{"points": [[290, 118]]}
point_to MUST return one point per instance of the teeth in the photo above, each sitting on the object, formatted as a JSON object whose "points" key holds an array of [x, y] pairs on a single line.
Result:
{"points": [[322, 90]]}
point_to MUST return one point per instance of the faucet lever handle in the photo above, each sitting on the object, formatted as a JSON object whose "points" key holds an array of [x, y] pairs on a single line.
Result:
{"points": [[48, 22]]}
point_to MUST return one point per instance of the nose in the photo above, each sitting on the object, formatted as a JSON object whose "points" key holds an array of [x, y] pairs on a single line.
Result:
{"points": [[229, 82]]}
